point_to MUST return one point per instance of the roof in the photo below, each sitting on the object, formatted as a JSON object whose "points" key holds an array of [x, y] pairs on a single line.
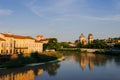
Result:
{"points": [[46, 39], [41, 41], [90, 34], [38, 41], [82, 36], [7, 35], [1, 39], [17, 36], [39, 36]]}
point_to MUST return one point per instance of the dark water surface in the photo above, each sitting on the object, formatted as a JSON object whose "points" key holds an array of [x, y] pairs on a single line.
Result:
{"points": [[75, 67]]}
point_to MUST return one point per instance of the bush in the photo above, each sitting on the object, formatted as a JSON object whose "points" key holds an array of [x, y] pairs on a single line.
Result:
{"points": [[34, 55], [34, 58]]}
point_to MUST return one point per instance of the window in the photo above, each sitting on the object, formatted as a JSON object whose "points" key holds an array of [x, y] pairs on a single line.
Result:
{"points": [[1, 51], [2, 45], [11, 51], [11, 45], [6, 51]]}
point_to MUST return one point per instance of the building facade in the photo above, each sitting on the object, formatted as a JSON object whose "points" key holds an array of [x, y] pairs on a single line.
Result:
{"points": [[90, 38], [82, 39], [10, 44]]}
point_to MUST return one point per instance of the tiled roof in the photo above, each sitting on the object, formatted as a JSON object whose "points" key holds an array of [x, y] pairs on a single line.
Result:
{"points": [[39, 36], [7, 35], [17, 36], [38, 41], [1, 39], [46, 39], [41, 41]]}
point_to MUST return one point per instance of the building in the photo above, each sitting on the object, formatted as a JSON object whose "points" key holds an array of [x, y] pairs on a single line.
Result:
{"points": [[82, 39], [118, 41], [10, 43], [90, 38]]}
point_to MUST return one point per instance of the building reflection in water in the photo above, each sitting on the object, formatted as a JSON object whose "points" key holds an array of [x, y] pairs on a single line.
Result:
{"points": [[29, 73], [89, 60]]}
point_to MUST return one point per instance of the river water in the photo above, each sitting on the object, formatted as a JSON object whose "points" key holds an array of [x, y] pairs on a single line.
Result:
{"points": [[75, 67]]}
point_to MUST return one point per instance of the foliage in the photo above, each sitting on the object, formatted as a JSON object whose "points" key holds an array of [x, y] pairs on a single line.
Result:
{"points": [[80, 45], [34, 57], [57, 55], [52, 44], [117, 46], [108, 52], [98, 44], [64, 45]]}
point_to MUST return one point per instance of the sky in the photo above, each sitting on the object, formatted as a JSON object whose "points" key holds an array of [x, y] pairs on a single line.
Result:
{"points": [[61, 19]]}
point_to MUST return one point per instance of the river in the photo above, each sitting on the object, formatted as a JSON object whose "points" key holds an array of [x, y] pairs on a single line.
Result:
{"points": [[76, 66]]}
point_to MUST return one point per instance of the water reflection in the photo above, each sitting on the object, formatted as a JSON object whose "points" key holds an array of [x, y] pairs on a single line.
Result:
{"points": [[90, 60], [20, 76], [28, 73], [90, 65]]}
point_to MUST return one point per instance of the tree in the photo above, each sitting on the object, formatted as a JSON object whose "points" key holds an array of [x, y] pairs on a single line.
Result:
{"points": [[80, 45], [101, 44], [64, 44], [52, 44]]}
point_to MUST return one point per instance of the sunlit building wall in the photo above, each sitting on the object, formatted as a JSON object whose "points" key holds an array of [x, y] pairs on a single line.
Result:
{"points": [[10, 43]]}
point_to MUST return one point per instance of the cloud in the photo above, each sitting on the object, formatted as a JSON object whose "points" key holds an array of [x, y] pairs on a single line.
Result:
{"points": [[110, 18], [5, 12], [56, 8], [60, 10]]}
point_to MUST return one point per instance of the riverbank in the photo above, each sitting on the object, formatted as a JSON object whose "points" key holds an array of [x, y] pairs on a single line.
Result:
{"points": [[57, 60], [34, 58], [108, 52]]}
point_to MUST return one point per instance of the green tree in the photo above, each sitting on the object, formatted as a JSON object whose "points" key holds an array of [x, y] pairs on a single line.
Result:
{"points": [[52, 44], [100, 44], [64, 45], [80, 45]]}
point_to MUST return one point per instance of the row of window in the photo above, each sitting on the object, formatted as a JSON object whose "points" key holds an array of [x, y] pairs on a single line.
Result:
{"points": [[7, 51], [21, 45]]}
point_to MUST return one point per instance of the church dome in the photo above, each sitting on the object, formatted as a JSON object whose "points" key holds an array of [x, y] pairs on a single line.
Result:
{"points": [[82, 36], [90, 36]]}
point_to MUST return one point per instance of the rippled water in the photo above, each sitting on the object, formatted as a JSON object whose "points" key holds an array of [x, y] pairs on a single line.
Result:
{"points": [[75, 67]]}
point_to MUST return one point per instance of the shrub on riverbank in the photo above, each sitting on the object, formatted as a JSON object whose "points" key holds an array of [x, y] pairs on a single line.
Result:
{"points": [[35, 57], [108, 52]]}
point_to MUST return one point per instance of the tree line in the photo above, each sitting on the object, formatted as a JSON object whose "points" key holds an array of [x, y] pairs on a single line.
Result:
{"points": [[54, 44]]}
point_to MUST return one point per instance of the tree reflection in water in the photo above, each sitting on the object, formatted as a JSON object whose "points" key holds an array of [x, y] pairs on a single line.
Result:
{"points": [[52, 69], [29, 73], [91, 60], [85, 60]]}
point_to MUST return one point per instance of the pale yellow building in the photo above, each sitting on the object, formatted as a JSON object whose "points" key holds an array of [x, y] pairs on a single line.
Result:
{"points": [[118, 41], [90, 38], [82, 39], [10, 43]]}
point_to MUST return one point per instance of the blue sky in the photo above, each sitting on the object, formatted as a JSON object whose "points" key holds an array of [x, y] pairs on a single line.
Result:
{"points": [[63, 19]]}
